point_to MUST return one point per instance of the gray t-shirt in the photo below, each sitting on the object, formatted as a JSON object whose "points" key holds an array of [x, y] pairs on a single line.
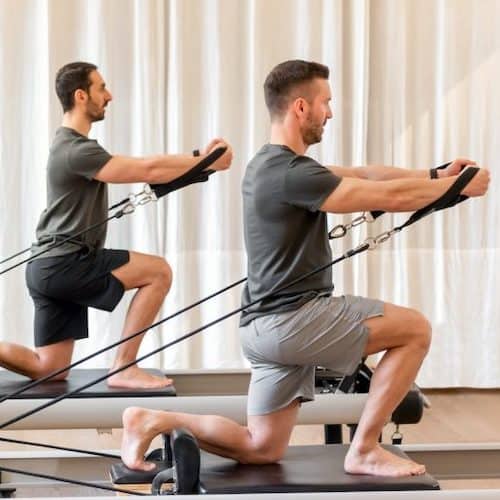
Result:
{"points": [[285, 232], [75, 200]]}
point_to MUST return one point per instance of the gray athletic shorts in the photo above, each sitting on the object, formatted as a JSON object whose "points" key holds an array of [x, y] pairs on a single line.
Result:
{"points": [[285, 348]]}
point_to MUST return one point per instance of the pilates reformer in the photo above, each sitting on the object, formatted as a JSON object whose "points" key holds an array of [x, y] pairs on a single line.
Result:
{"points": [[449, 199]]}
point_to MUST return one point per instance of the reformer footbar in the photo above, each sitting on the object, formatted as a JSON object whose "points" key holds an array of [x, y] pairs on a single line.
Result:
{"points": [[450, 198]]}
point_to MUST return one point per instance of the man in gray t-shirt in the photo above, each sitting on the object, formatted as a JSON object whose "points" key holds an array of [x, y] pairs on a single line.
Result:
{"points": [[286, 196], [67, 279], [285, 233]]}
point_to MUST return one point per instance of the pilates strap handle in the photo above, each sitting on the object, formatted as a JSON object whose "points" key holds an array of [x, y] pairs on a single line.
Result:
{"points": [[199, 173]]}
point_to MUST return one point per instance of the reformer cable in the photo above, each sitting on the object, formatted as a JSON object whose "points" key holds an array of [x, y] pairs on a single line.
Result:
{"points": [[450, 198], [350, 253], [39, 381], [56, 244], [152, 192], [161, 190], [60, 448], [340, 230], [71, 481]]}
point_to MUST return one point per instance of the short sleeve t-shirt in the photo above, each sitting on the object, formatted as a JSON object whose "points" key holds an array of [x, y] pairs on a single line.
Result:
{"points": [[285, 232], [75, 200]]}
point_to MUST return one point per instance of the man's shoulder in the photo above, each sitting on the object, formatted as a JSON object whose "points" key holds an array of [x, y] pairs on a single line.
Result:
{"points": [[271, 155], [67, 138]]}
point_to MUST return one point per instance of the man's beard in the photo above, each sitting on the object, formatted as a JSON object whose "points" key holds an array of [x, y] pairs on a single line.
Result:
{"points": [[94, 114], [95, 117], [312, 134]]}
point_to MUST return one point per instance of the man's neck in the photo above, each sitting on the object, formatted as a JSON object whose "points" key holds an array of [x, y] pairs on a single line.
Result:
{"points": [[77, 122], [287, 136]]}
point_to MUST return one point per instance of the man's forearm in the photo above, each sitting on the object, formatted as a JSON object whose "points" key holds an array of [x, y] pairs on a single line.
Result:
{"points": [[165, 168], [380, 172]]}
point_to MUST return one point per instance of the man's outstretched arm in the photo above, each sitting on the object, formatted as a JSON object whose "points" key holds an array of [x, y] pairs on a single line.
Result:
{"points": [[397, 195], [386, 173], [159, 169]]}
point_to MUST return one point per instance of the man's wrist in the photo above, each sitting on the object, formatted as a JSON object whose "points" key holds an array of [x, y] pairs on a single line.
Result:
{"points": [[433, 172]]}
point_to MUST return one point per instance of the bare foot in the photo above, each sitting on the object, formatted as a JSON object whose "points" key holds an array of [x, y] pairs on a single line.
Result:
{"points": [[135, 378], [138, 432], [380, 462]]}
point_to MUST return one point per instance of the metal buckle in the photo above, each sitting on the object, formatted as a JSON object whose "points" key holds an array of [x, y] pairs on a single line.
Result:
{"points": [[340, 230]]}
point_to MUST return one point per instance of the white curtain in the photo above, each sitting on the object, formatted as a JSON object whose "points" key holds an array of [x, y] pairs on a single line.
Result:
{"points": [[414, 84]]}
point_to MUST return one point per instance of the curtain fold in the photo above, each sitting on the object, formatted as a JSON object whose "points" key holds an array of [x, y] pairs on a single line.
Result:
{"points": [[414, 84]]}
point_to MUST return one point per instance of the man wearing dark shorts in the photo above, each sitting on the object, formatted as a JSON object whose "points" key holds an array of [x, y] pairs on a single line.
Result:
{"points": [[81, 273], [286, 196]]}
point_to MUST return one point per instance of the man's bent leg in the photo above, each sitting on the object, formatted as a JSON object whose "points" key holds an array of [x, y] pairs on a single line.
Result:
{"points": [[153, 277], [405, 336], [38, 363], [264, 440]]}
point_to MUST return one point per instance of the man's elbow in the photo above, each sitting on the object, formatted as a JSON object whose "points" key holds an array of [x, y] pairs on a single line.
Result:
{"points": [[151, 171]]}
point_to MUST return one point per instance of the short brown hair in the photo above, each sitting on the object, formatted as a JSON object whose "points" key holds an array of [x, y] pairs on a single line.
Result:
{"points": [[287, 77], [71, 77]]}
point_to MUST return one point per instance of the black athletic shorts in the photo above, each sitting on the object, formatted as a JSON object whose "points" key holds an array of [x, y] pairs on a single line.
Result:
{"points": [[63, 287]]}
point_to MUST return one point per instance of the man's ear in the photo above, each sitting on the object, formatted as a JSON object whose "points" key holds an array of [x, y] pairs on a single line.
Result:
{"points": [[299, 105], [80, 95]]}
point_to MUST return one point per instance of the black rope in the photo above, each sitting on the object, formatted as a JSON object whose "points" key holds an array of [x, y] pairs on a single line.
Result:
{"points": [[450, 198], [71, 481], [15, 255], [198, 173], [456, 187], [56, 244], [60, 448], [52, 402], [121, 341]]}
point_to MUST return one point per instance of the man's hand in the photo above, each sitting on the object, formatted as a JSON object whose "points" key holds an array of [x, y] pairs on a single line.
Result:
{"points": [[225, 160], [479, 184], [455, 167]]}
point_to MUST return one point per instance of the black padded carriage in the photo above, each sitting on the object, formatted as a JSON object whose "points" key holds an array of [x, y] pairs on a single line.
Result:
{"points": [[10, 382], [304, 469]]}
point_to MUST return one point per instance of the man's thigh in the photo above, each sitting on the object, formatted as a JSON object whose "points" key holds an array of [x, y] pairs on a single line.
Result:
{"points": [[394, 329], [141, 270]]}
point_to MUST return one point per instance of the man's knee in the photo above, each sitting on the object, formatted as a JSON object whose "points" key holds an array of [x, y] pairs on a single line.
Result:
{"points": [[421, 330], [47, 367], [263, 453], [163, 273]]}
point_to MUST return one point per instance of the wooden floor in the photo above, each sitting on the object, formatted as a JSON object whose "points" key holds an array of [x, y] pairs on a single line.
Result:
{"points": [[456, 416]]}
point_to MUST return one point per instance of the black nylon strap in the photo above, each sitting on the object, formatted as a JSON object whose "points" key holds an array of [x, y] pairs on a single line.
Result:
{"points": [[377, 213], [199, 173], [448, 200]]}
